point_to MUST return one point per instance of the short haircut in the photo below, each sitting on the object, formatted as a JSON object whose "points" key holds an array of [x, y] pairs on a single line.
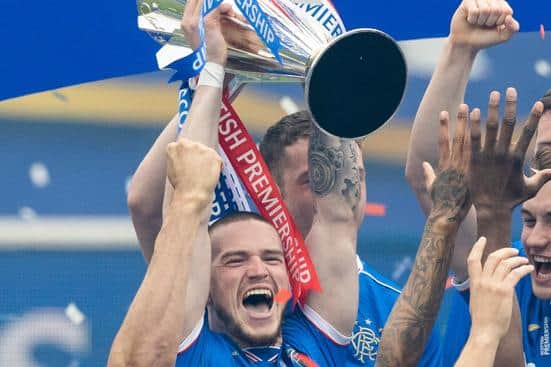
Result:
{"points": [[234, 217], [284, 133], [546, 100]]}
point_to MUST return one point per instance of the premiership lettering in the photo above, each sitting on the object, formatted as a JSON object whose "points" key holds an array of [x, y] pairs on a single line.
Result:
{"points": [[247, 160], [254, 14], [200, 60], [324, 15]]}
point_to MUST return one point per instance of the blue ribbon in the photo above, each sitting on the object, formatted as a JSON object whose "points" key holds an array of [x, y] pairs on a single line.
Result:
{"points": [[191, 65], [262, 25]]}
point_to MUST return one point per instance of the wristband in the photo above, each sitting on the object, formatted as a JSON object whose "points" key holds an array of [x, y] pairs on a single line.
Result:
{"points": [[212, 75]]}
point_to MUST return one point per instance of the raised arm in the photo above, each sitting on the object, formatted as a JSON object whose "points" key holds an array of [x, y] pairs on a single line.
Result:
{"points": [[412, 318], [147, 189], [498, 185], [472, 29], [336, 177], [491, 305], [152, 328]]}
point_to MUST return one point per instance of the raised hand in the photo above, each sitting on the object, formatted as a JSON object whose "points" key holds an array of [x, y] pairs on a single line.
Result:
{"points": [[217, 50], [496, 174], [449, 189], [492, 288], [480, 24], [193, 169]]}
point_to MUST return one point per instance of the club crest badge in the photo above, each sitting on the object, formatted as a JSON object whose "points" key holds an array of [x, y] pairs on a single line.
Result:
{"points": [[365, 341]]}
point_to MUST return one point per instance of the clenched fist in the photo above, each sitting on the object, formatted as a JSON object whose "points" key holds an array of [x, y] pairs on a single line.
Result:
{"points": [[193, 169]]}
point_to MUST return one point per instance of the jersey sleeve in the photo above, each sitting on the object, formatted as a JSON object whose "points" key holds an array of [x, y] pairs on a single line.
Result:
{"points": [[305, 331], [432, 356], [201, 346]]}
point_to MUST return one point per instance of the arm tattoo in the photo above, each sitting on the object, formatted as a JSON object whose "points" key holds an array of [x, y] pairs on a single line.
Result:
{"points": [[334, 168], [413, 316]]}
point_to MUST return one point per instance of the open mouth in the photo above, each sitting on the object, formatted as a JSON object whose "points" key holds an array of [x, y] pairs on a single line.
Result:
{"points": [[543, 267], [259, 301]]}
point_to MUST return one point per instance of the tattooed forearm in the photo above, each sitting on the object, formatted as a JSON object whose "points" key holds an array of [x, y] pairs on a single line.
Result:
{"points": [[413, 316], [412, 319], [334, 167]]}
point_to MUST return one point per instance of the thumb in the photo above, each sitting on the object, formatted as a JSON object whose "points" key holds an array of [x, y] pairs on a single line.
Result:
{"points": [[535, 182], [429, 174], [509, 28]]}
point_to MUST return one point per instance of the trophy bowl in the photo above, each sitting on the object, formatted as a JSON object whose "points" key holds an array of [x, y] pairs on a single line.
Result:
{"points": [[353, 83]]}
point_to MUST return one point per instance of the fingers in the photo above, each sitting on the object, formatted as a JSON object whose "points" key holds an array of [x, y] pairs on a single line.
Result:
{"points": [[535, 182], [506, 266], [484, 12], [494, 13], [429, 174], [444, 139], [460, 132], [506, 10], [471, 8], [509, 121], [517, 274], [475, 132], [492, 123], [474, 261], [190, 22], [529, 129], [496, 257]]}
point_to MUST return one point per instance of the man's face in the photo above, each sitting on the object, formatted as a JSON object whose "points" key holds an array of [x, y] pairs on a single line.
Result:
{"points": [[296, 189], [248, 270], [536, 238]]}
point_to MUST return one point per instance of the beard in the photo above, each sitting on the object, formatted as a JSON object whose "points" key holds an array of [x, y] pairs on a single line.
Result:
{"points": [[238, 331]]}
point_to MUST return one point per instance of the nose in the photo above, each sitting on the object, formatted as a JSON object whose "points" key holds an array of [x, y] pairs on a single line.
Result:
{"points": [[257, 269], [539, 236]]}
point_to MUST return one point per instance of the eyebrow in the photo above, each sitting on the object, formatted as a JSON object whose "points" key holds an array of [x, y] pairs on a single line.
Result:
{"points": [[526, 211], [272, 252], [238, 253]]}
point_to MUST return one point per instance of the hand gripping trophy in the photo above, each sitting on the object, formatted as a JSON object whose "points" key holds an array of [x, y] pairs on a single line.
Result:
{"points": [[353, 83]]}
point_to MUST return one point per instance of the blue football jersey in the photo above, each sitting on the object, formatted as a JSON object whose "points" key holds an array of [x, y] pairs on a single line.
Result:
{"points": [[308, 341], [377, 297], [536, 323]]}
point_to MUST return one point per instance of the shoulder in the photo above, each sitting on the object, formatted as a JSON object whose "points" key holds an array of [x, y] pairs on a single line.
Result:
{"points": [[193, 350], [373, 281]]}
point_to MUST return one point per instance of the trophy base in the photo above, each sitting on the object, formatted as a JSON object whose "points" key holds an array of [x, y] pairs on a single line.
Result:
{"points": [[355, 85]]}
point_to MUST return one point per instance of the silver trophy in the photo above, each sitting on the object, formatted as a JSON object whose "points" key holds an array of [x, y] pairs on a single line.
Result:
{"points": [[353, 83]]}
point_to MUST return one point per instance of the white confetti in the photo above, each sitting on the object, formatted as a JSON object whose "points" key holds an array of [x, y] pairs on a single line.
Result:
{"points": [[74, 314], [288, 105], [27, 213], [543, 68], [39, 175]]}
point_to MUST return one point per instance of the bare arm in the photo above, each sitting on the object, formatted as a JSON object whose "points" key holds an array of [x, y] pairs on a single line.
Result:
{"points": [[146, 192], [412, 318], [149, 187], [152, 328], [472, 29], [334, 169]]}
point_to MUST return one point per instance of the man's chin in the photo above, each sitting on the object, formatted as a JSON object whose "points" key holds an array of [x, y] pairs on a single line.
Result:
{"points": [[252, 336], [541, 291]]}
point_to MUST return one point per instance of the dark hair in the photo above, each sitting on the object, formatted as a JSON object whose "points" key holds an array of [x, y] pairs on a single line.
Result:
{"points": [[546, 100], [284, 133], [233, 217]]}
